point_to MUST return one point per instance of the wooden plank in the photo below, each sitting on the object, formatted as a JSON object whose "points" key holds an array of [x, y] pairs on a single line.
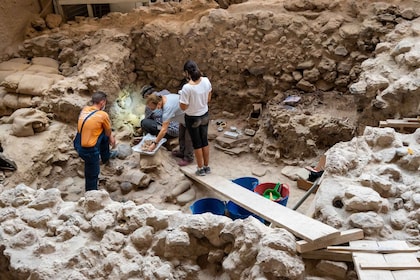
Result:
{"points": [[385, 261], [366, 274], [392, 245], [345, 236], [406, 274], [81, 2], [295, 222], [391, 266], [402, 124], [412, 119], [90, 10], [383, 124], [380, 250], [330, 255]]}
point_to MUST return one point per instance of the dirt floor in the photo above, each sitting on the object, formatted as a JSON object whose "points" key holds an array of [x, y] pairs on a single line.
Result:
{"points": [[164, 178]]}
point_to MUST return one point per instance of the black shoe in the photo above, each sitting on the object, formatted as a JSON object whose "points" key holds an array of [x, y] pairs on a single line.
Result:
{"points": [[200, 172], [207, 169]]}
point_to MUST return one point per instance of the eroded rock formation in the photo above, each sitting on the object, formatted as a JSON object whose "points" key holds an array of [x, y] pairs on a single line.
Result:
{"points": [[98, 238], [372, 183]]}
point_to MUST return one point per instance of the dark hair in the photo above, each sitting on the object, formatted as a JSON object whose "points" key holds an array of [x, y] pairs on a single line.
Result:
{"points": [[192, 69], [98, 97], [147, 90]]}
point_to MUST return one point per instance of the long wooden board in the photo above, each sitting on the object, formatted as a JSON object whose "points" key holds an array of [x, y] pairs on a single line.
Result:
{"points": [[295, 222], [325, 254], [344, 237], [380, 250], [399, 124]]}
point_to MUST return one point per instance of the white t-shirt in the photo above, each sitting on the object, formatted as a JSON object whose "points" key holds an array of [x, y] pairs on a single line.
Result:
{"points": [[196, 97], [171, 109]]}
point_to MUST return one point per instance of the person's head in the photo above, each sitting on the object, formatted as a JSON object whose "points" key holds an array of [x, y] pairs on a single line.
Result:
{"points": [[192, 70], [154, 101], [99, 98]]}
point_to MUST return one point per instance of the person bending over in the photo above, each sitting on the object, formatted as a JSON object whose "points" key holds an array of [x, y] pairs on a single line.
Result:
{"points": [[152, 122], [169, 104]]}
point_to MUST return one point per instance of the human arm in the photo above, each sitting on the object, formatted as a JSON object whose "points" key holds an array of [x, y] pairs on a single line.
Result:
{"points": [[209, 97], [108, 131], [160, 135], [112, 142], [183, 106]]}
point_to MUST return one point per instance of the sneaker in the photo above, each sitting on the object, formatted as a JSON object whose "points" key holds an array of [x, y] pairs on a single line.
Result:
{"points": [[184, 162], [177, 154], [113, 154], [200, 172], [207, 169]]}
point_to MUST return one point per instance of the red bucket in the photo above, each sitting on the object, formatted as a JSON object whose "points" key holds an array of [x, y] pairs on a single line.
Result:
{"points": [[284, 191]]}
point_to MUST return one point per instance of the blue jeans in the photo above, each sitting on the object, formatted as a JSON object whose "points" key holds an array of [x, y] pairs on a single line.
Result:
{"points": [[91, 159]]}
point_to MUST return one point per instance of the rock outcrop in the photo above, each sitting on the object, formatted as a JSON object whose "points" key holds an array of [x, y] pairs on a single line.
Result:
{"points": [[44, 237], [372, 183]]}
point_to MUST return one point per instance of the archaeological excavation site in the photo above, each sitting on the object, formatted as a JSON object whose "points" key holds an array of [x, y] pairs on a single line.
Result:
{"points": [[313, 135]]}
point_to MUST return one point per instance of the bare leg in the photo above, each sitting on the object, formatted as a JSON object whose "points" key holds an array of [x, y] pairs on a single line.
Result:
{"points": [[206, 155], [199, 157]]}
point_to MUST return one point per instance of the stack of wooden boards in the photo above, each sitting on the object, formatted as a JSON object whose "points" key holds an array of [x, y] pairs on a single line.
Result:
{"points": [[316, 236], [410, 123]]}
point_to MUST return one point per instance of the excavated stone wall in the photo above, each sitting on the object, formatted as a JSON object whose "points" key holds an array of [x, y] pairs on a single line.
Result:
{"points": [[252, 52]]}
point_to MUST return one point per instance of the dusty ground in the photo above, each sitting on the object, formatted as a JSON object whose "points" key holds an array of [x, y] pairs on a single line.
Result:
{"points": [[25, 150]]}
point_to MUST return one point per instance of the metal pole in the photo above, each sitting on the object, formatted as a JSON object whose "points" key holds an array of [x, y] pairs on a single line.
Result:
{"points": [[308, 193]]}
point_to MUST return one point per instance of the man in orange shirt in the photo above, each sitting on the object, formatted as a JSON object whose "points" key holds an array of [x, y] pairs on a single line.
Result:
{"points": [[94, 126]]}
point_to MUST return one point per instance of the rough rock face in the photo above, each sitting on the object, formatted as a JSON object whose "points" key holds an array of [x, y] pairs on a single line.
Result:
{"points": [[389, 86], [96, 237], [252, 52], [372, 183], [299, 132]]}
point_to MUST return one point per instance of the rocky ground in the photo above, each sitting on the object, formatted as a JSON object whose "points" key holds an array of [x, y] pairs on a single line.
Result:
{"points": [[321, 77]]}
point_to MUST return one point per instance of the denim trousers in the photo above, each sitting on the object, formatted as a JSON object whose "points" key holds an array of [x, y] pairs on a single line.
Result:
{"points": [[91, 156]]}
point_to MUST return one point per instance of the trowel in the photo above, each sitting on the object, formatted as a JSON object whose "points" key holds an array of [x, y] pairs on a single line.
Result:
{"points": [[272, 194]]}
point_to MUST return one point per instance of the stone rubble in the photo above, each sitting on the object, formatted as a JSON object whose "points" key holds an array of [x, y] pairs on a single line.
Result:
{"points": [[96, 237]]}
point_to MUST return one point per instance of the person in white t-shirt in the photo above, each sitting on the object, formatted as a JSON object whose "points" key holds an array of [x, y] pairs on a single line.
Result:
{"points": [[195, 96]]}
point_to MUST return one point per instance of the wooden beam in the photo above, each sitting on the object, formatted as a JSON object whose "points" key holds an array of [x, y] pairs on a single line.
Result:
{"points": [[279, 215], [399, 124], [344, 237], [379, 250], [90, 10], [390, 266], [325, 254]]}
